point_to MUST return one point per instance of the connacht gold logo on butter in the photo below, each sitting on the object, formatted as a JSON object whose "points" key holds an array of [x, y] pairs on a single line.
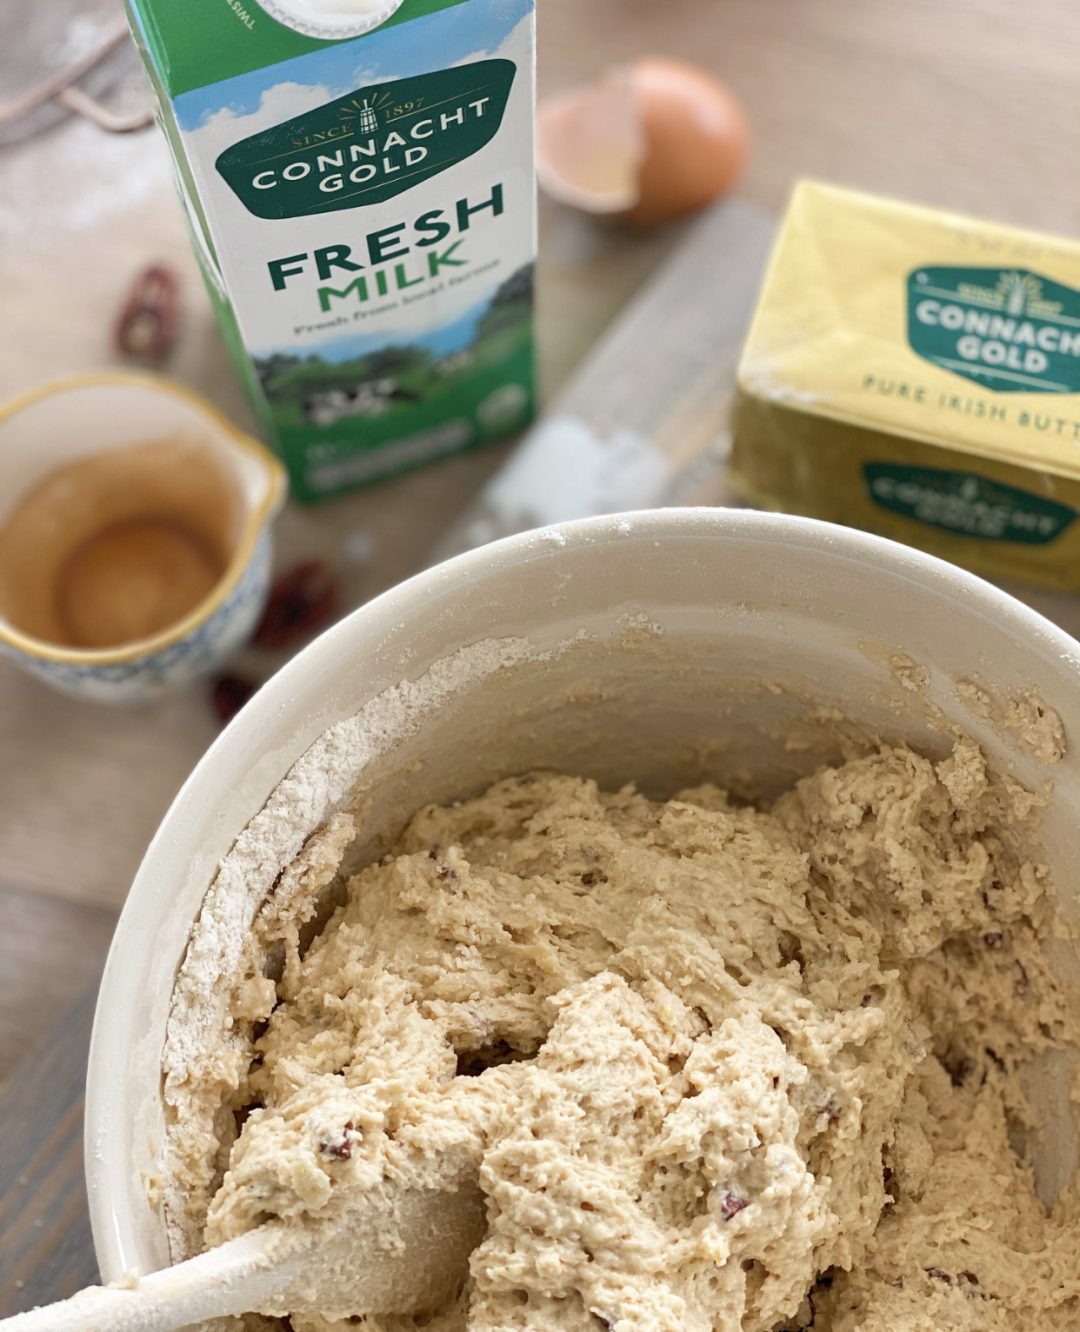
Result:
{"points": [[966, 504], [1010, 330], [370, 145]]}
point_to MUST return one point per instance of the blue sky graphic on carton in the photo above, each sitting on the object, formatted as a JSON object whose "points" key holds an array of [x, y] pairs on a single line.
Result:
{"points": [[480, 27]]}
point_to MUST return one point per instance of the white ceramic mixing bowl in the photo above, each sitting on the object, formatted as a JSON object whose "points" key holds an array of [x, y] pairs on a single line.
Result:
{"points": [[696, 638]]}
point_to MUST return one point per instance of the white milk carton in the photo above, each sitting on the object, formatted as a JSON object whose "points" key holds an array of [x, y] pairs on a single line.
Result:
{"points": [[358, 176]]}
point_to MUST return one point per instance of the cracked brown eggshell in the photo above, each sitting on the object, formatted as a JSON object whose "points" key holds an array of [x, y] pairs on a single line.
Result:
{"points": [[648, 143]]}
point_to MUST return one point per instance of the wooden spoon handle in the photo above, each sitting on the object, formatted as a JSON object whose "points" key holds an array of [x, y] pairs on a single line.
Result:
{"points": [[236, 1278]]}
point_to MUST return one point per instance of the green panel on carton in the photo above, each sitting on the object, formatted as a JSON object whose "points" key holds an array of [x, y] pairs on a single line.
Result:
{"points": [[373, 444], [198, 42], [370, 145]]}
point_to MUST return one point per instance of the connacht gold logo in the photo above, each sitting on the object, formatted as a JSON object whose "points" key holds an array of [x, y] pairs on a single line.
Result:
{"points": [[967, 505], [371, 145], [1010, 330]]}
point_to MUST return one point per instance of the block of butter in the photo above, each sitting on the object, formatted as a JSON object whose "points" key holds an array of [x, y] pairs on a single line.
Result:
{"points": [[917, 374]]}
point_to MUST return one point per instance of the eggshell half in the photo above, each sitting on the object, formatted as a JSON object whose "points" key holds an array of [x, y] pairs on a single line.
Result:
{"points": [[649, 142], [696, 140]]}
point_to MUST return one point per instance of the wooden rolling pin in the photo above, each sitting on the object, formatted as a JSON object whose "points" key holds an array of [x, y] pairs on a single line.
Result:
{"points": [[645, 422]]}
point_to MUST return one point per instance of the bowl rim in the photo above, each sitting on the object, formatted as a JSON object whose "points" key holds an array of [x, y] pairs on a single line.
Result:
{"points": [[40, 649], [119, 991]]}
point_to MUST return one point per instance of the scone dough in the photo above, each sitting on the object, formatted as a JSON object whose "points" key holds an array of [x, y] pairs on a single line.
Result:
{"points": [[714, 1067]]}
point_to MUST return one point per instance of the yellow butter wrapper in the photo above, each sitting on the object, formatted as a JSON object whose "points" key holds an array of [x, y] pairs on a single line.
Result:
{"points": [[917, 374]]}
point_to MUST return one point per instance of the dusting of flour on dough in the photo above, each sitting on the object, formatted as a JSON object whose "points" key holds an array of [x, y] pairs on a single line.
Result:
{"points": [[254, 905], [712, 1066]]}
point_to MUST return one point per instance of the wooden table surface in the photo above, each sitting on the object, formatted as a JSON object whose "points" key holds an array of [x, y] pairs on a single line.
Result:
{"points": [[968, 104]]}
